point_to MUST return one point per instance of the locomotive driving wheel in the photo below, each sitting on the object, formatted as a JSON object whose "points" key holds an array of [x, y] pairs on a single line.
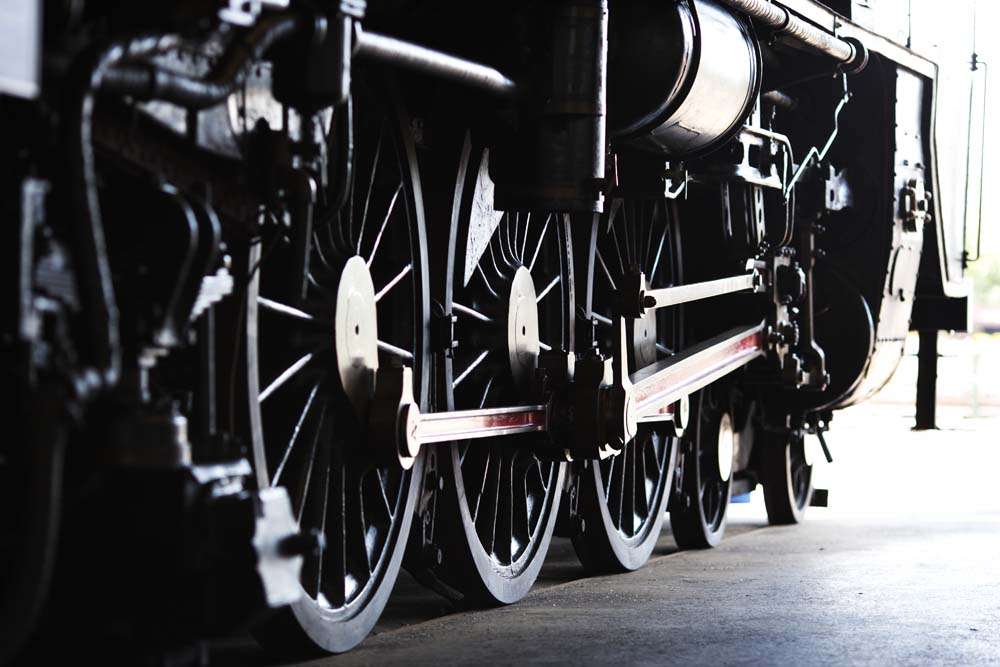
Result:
{"points": [[622, 500], [311, 358], [510, 288], [698, 513], [786, 474]]}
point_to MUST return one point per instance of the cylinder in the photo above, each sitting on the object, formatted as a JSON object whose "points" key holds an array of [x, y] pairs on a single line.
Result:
{"points": [[683, 77]]}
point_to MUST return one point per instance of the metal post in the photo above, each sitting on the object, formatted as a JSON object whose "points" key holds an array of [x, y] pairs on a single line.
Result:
{"points": [[927, 359]]}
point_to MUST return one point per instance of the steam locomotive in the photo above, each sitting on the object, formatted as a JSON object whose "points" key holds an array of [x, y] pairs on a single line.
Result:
{"points": [[301, 292]]}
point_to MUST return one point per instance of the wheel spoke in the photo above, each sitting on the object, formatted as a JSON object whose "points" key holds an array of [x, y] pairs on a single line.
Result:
{"points": [[628, 490], [524, 239], [541, 239], [503, 540], [649, 238], [659, 253], [295, 435], [642, 491], [357, 533], [493, 257], [385, 221], [481, 473], [305, 476], [471, 367], [389, 348], [284, 309], [392, 283], [548, 288], [335, 554], [607, 274], [618, 250], [318, 495], [471, 312], [510, 244], [489, 288], [601, 319], [486, 512], [368, 194], [287, 374]]}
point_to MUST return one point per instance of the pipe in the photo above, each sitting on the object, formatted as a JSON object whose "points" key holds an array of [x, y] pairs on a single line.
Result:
{"points": [[146, 81], [427, 61], [92, 258], [850, 52]]}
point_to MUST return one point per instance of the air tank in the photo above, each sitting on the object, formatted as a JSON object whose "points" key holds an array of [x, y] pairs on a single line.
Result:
{"points": [[683, 76]]}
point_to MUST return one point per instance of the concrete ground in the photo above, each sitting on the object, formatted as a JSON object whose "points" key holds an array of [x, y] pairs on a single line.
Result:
{"points": [[902, 568]]}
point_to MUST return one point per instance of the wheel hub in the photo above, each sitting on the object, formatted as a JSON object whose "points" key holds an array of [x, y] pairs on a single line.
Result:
{"points": [[727, 445], [522, 327], [644, 337], [356, 332]]}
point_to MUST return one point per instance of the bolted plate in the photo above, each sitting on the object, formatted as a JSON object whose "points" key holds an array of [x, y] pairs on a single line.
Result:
{"points": [[522, 327], [356, 332]]}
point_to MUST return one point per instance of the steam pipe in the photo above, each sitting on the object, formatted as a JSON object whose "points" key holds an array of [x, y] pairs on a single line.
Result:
{"points": [[851, 53], [428, 61]]}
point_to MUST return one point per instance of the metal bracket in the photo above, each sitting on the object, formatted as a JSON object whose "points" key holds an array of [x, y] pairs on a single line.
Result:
{"points": [[815, 153]]}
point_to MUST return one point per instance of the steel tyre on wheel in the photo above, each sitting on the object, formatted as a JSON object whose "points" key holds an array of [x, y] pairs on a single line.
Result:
{"points": [[509, 286], [621, 501], [698, 513], [786, 475], [309, 361]]}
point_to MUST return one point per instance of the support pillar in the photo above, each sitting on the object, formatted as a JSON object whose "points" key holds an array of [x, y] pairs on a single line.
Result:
{"points": [[927, 359]]}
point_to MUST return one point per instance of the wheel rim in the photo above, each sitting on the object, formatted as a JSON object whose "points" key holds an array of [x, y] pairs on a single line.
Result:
{"points": [[510, 288], [309, 372], [713, 488], [799, 473], [630, 490]]}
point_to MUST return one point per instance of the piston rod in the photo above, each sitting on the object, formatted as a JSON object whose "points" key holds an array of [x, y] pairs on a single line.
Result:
{"points": [[672, 296], [637, 298], [784, 22], [428, 61]]}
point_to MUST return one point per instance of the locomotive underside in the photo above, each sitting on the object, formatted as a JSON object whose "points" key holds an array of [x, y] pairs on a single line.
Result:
{"points": [[293, 303]]}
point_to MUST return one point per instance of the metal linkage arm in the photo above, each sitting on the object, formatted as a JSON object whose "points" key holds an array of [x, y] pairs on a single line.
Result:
{"points": [[671, 379], [398, 429], [659, 392], [487, 423], [637, 299]]}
